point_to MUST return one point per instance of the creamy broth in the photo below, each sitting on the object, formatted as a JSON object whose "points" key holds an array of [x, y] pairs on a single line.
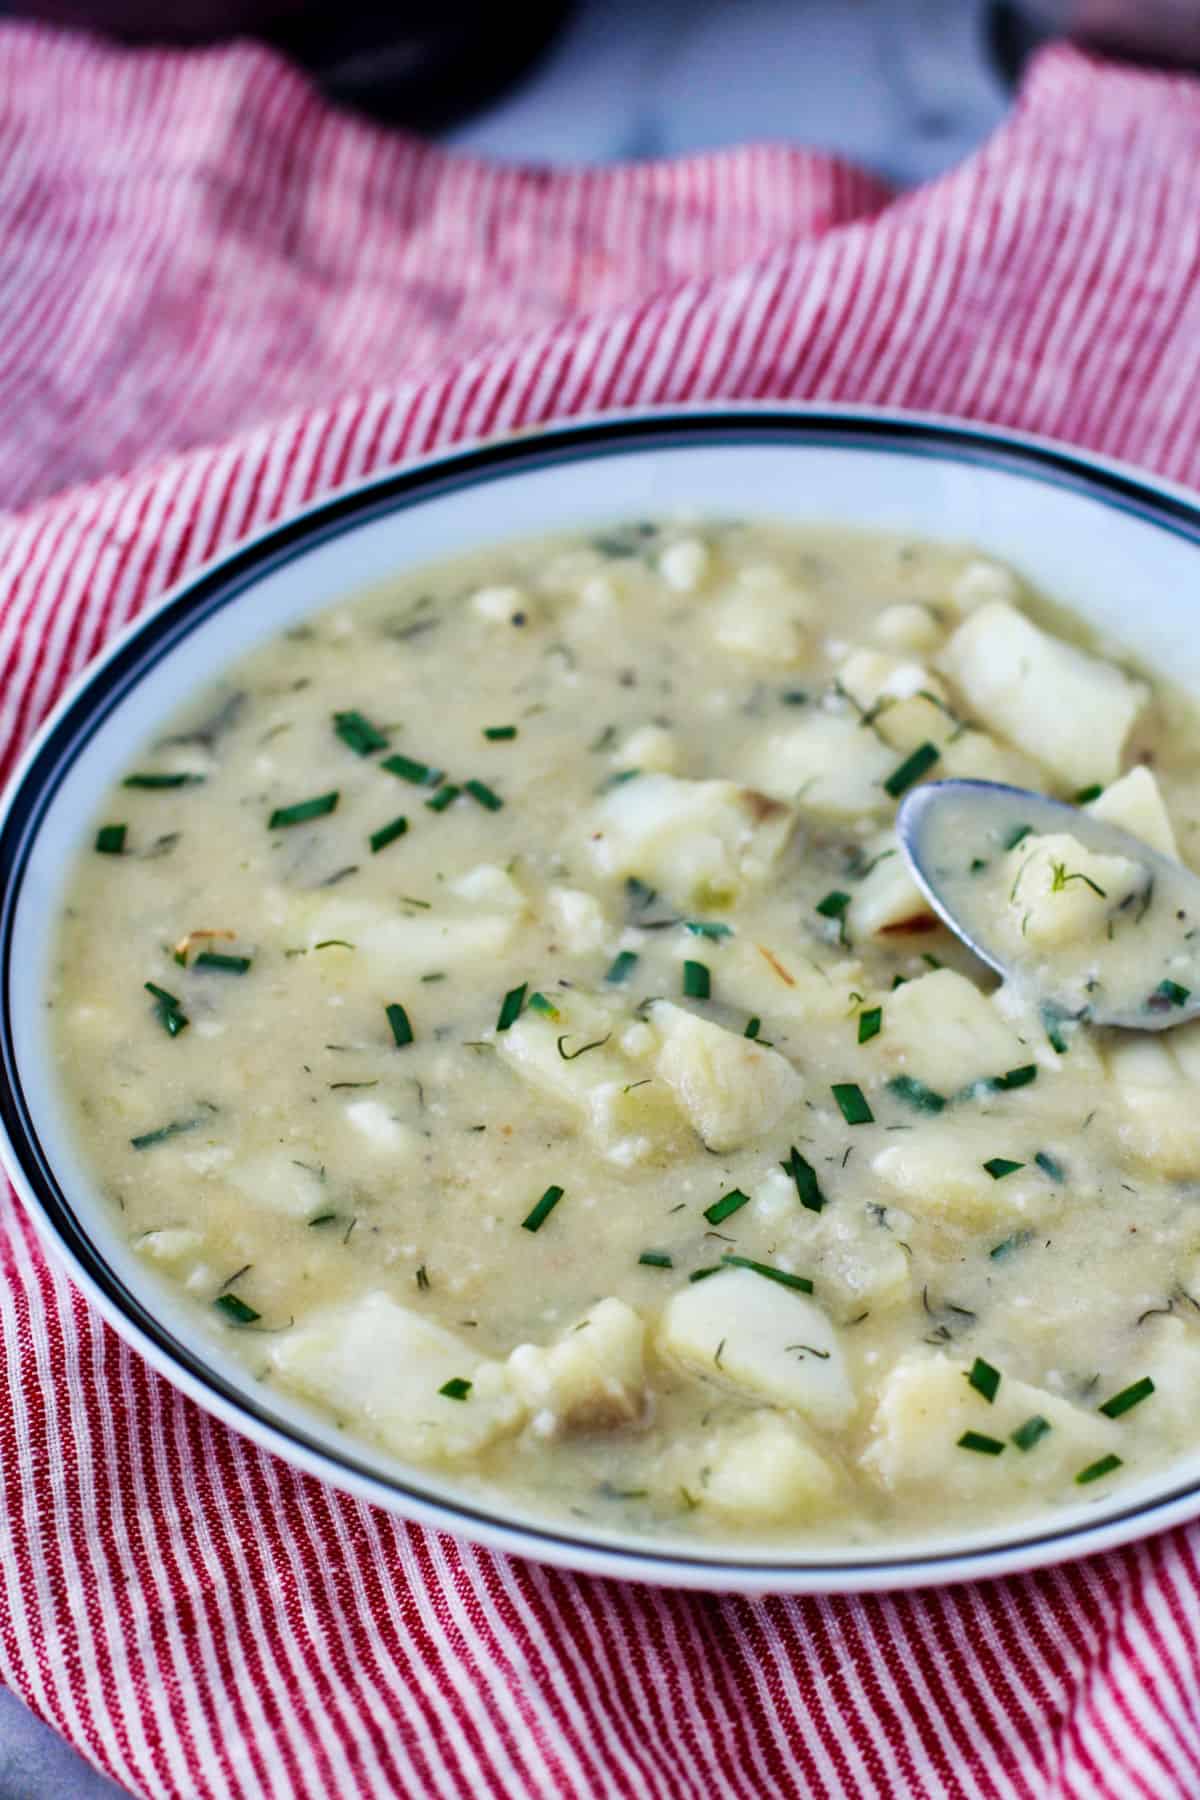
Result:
{"points": [[499, 1012]]}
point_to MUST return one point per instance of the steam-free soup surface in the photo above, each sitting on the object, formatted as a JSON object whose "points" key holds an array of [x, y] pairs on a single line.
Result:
{"points": [[499, 1012]]}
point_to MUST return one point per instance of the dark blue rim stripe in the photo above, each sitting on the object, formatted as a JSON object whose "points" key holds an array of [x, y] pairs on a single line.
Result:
{"points": [[222, 585]]}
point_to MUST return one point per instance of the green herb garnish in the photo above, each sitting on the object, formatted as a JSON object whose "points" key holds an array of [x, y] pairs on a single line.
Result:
{"points": [[697, 983], [1048, 1166], [499, 734], [110, 840], [387, 834], [1016, 836], [541, 1212], [833, 906], [510, 1008], [1088, 794], [800, 1283], [1016, 1240], [480, 791], [1016, 1078], [984, 1379], [1171, 993], [621, 967], [852, 1103], [325, 1218], [419, 773], [911, 769], [456, 1388], [655, 1259], [729, 1203], [303, 811], [1031, 1432], [444, 797], [235, 1310], [153, 781], [1052, 1021], [704, 929], [573, 1055], [397, 1018], [1095, 1470], [176, 1128], [915, 1093], [538, 1003], [1128, 1398], [358, 734], [805, 1177], [753, 1027], [1000, 1166], [980, 1443], [218, 959], [167, 1010], [870, 1023]]}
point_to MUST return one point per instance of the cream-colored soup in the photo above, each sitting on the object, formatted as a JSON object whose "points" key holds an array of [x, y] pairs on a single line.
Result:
{"points": [[620, 1132]]}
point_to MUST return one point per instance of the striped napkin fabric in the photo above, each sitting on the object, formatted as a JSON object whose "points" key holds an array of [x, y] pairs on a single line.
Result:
{"points": [[220, 298]]}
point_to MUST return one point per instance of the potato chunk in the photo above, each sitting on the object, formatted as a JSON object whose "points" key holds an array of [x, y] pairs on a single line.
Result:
{"points": [[764, 1469], [396, 946], [764, 617], [625, 1120], [1158, 1120], [700, 842], [926, 1406], [1135, 803], [591, 1378], [783, 984], [938, 1172], [1034, 689], [768, 1340], [829, 764], [1059, 892], [731, 1089], [286, 1181], [947, 1033], [380, 1366], [887, 899], [907, 704]]}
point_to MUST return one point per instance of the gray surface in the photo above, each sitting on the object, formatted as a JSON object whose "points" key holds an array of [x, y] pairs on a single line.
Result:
{"points": [[901, 85]]}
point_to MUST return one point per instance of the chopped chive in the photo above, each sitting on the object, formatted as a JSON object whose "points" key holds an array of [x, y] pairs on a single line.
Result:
{"points": [[911, 769], [703, 1274], [916, 1094], [1000, 1166], [153, 781], [805, 1178], [870, 1023], [1171, 993], [697, 984], [176, 1128], [655, 1259], [800, 1283], [510, 1008], [1049, 1166], [325, 1218], [1088, 794], [571, 1055], [499, 734], [302, 811], [423, 1281], [333, 944], [704, 929], [1016, 836], [444, 797], [984, 1379], [397, 1018], [899, 981], [235, 1310], [358, 733], [167, 1010], [110, 840], [1030, 1433], [979, 1442], [931, 962], [538, 1003], [479, 790], [1128, 1398], [852, 1103], [1016, 1240], [753, 1027], [1095, 1470], [834, 904], [456, 1388], [421, 774], [1016, 1078], [1052, 1020], [729, 1203], [621, 967], [387, 834], [217, 959], [541, 1212]]}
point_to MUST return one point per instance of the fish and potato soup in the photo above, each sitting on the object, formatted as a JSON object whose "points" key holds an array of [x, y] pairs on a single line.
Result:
{"points": [[499, 1011]]}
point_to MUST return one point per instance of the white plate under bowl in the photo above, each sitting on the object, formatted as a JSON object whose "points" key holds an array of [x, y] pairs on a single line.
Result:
{"points": [[1119, 549]]}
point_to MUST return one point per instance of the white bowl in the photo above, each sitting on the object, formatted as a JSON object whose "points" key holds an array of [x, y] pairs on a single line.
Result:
{"points": [[1115, 547]]}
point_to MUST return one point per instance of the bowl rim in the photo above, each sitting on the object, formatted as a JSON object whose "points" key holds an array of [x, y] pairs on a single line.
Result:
{"points": [[99, 689]]}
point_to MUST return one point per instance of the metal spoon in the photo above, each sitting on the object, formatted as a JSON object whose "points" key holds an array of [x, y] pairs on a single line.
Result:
{"points": [[1142, 973]]}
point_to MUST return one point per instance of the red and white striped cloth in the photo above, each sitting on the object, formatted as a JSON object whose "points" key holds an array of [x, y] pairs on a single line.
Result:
{"points": [[217, 299]]}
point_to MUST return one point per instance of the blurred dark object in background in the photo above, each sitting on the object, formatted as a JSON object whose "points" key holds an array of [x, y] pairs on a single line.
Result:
{"points": [[1160, 31], [421, 63]]}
